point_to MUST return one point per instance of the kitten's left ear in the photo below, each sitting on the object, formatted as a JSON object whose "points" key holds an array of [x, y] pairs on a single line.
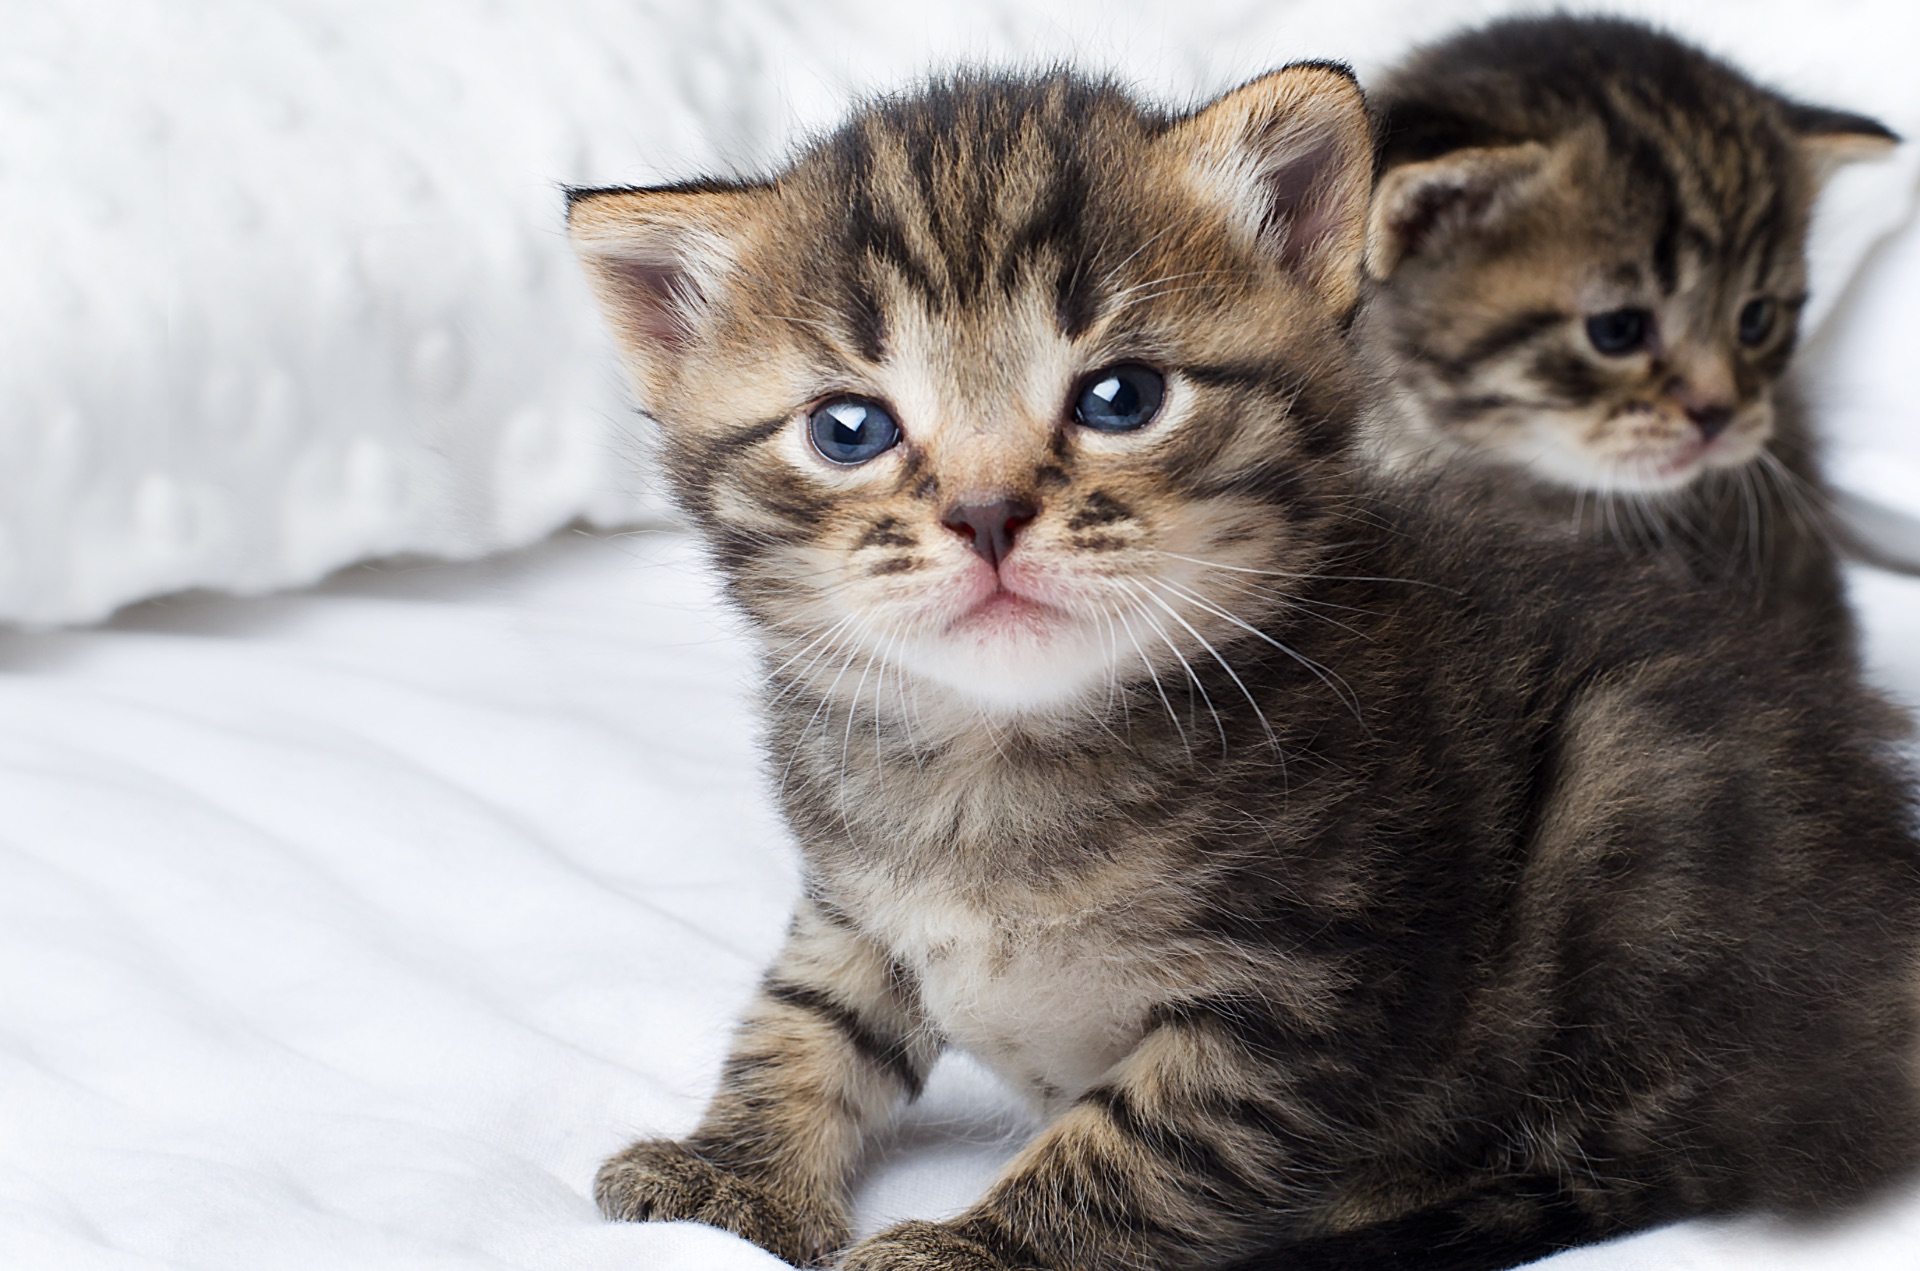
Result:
{"points": [[661, 263], [1290, 155], [1831, 139]]}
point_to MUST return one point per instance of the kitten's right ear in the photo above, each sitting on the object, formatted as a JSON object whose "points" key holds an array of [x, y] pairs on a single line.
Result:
{"points": [[658, 261], [1289, 157], [1831, 139], [1416, 206]]}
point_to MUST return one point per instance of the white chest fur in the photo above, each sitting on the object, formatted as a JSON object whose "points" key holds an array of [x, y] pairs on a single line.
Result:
{"points": [[1048, 1001]]}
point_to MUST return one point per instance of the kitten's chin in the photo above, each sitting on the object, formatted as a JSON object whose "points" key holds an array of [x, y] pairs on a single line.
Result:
{"points": [[1013, 656], [1638, 450], [1652, 470], [1633, 474]]}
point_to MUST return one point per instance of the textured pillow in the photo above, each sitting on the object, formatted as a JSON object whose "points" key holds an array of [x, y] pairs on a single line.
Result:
{"points": [[286, 287]]}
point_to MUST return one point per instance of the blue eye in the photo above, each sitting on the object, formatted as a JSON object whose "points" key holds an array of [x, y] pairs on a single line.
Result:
{"points": [[852, 430], [1756, 321], [1119, 398], [1620, 332]]}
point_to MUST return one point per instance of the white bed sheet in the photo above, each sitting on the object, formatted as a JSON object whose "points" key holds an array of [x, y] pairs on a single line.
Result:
{"points": [[352, 928]]}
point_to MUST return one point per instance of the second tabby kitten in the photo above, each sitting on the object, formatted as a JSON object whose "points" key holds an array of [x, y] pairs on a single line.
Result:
{"points": [[1357, 884], [1587, 261]]}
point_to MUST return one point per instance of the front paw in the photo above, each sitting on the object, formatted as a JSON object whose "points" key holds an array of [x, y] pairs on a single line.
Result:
{"points": [[923, 1246], [660, 1181]]}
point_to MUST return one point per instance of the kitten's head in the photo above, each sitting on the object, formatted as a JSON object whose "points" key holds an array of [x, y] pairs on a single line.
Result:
{"points": [[1010, 389], [1587, 250]]}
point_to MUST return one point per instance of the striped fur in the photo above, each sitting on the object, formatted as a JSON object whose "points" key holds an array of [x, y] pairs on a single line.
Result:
{"points": [[1539, 171], [1350, 877]]}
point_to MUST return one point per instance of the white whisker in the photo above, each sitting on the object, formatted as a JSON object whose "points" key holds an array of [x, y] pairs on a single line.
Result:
{"points": [[1195, 684], [1154, 675], [1273, 739], [1339, 686]]}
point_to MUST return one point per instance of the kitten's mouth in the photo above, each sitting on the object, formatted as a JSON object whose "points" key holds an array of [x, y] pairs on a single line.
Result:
{"points": [[1671, 459], [1004, 611], [1651, 469], [1681, 464]]}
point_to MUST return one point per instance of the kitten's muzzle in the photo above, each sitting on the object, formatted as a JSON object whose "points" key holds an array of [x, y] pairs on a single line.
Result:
{"points": [[1709, 410], [990, 528], [1711, 420]]}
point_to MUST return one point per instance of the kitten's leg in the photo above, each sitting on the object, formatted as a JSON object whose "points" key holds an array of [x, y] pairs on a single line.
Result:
{"points": [[830, 1047], [1190, 1153], [1204, 1149]]}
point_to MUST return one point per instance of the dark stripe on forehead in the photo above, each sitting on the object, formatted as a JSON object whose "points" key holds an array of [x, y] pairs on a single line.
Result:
{"points": [[867, 318], [1766, 238], [1057, 229], [1773, 220], [1651, 177], [883, 240], [1057, 221], [1666, 247], [979, 182], [946, 214], [1722, 171], [869, 231], [1075, 300]]}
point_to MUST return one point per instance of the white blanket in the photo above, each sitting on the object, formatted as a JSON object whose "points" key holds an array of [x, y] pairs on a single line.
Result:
{"points": [[352, 929], [285, 285]]}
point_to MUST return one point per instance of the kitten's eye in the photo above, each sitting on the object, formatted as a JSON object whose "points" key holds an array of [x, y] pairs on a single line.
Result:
{"points": [[1620, 332], [1756, 321], [1119, 398], [852, 430]]}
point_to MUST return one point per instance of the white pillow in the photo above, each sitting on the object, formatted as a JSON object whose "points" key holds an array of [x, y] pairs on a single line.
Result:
{"points": [[286, 285]]}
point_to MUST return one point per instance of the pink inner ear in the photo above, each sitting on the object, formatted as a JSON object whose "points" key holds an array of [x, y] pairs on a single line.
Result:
{"points": [[1302, 196], [1416, 220], [656, 298]]}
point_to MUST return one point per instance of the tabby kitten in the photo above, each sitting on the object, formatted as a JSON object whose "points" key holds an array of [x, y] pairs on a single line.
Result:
{"points": [[1587, 265], [1350, 885]]}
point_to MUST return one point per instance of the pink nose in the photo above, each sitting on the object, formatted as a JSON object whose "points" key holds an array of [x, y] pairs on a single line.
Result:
{"points": [[1710, 407], [989, 528], [1710, 420]]}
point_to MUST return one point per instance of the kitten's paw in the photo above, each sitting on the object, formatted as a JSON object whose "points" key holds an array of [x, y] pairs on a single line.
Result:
{"points": [[923, 1246], [661, 1181]]}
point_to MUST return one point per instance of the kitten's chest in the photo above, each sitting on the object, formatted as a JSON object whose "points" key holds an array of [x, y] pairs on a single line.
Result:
{"points": [[1034, 921], [1049, 1001]]}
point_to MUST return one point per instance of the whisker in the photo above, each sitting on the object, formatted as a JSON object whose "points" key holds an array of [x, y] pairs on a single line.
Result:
{"points": [[1806, 500], [1154, 675], [826, 633], [1340, 687], [1753, 512], [1193, 677], [826, 700], [1281, 573]]}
